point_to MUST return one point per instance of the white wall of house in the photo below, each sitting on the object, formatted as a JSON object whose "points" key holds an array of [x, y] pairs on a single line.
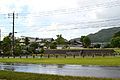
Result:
{"points": [[76, 47]]}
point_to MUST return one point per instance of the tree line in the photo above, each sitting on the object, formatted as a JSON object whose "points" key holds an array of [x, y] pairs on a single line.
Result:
{"points": [[27, 47]]}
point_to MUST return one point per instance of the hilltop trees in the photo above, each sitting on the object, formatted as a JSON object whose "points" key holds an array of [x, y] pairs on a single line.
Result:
{"points": [[117, 34]]}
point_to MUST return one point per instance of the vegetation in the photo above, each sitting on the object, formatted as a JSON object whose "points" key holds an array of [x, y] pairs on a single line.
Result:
{"points": [[117, 34], [81, 39], [9, 75], [26, 41], [53, 45], [86, 42], [102, 61], [6, 45], [97, 46], [60, 40], [115, 41], [19, 49], [117, 50], [33, 47]]}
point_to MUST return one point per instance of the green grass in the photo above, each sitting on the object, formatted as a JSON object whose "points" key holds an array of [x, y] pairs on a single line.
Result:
{"points": [[106, 61], [9, 75]]}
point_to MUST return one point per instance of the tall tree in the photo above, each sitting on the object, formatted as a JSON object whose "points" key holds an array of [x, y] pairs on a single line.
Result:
{"points": [[60, 39], [86, 41]]}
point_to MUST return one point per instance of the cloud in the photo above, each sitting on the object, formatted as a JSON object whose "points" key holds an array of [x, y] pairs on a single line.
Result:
{"points": [[109, 13], [47, 18]]}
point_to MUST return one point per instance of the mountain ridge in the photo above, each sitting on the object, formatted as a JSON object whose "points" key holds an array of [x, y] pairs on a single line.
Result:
{"points": [[104, 35]]}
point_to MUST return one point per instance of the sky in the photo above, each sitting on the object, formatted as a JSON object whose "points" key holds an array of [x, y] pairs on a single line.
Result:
{"points": [[48, 18]]}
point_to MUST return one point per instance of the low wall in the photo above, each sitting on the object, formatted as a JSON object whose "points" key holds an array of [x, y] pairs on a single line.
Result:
{"points": [[81, 52]]}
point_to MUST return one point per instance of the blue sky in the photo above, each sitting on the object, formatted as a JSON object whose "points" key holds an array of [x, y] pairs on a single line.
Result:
{"points": [[47, 18]]}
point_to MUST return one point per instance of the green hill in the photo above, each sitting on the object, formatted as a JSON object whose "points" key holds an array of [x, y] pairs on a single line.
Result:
{"points": [[103, 35]]}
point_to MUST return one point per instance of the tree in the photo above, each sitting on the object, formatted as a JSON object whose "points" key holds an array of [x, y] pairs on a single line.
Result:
{"points": [[47, 44], [1, 45], [81, 40], [33, 47], [26, 41], [117, 34], [108, 45], [86, 42], [6, 46], [97, 46], [60, 40], [18, 47], [115, 42], [17, 50], [53, 45]]}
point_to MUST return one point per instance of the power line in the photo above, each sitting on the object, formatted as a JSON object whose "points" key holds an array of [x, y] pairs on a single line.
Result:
{"points": [[78, 23], [74, 10]]}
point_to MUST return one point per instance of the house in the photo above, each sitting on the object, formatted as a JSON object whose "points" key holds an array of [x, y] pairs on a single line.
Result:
{"points": [[102, 44], [38, 40]]}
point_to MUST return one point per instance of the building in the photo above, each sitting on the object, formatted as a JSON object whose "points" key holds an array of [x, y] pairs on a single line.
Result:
{"points": [[38, 40]]}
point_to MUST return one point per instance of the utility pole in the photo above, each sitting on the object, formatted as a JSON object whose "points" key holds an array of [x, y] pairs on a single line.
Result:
{"points": [[0, 34], [13, 30]]}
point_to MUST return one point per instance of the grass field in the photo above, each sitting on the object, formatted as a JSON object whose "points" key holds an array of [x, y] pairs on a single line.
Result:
{"points": [[8, 75], [102, 61]]}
